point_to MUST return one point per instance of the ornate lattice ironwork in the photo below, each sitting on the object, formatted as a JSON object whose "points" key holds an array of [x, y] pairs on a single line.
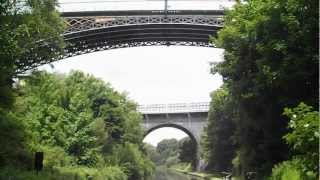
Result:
{"points": [[100, 46], [174, 108], [77, 24], [86, 34]]}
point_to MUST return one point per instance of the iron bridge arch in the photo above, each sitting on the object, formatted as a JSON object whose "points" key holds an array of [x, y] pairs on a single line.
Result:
{"points": [[95, 31], [88, 32]]}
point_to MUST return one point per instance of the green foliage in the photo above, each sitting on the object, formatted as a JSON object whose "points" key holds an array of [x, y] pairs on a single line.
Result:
{"points": [[304, 142], [172, 160], [54, 116], [271, 62], [13, 141], [304, 135], [167, 148], [218, 146], [236, 164], [290, 170], [152, 153], [110, 173], [135, 163], [105, 173], [70, 173], [55, 157], [30, 32], [23, 24], [79, 113], [188, 151], [185, 167], [78, 120], [170, 152]]}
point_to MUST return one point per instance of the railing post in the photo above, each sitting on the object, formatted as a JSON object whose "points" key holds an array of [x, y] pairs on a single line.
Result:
{"points": [[166, 6]]}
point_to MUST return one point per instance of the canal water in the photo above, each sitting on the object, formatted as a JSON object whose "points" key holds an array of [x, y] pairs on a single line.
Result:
{"points": [[162, 173]]}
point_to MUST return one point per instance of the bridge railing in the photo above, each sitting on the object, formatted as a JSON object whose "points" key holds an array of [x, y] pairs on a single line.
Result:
{"points": [[116, 5], [174, 108], [77, 24]]}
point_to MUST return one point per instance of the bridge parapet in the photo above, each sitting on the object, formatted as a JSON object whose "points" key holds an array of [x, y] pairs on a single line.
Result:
{"points": [[174, 108], [83, 23]]}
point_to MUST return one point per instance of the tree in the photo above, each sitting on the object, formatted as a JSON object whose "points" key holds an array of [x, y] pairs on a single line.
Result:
{"points": [[218, 144], [79, 113], [30, 32], [152, 153], [271, 62], [84, 117], [167, 148], [131, 158], [188, 151]]}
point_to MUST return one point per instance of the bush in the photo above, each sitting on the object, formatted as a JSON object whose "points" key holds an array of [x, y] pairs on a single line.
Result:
{"points": [[65, 173], [10, 173], [136, 164], [55, 157], [304, 142], [111, 173], [291, 170], [172, 160], [303, 138], [13, 141]]}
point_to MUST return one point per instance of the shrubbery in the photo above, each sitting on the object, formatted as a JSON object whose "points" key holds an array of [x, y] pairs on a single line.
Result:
{"points": [[291, 170], [135, 163], [80, 123], [65, 173], [304, 142]]}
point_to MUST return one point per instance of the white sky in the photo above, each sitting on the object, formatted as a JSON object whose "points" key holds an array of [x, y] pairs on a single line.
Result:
{"points": [[152, 75]]}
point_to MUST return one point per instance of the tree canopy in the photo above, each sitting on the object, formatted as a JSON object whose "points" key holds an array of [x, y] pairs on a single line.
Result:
{"points": [[217, 140], [270, 62], [188, 151], [29, 30], [84, 116]]}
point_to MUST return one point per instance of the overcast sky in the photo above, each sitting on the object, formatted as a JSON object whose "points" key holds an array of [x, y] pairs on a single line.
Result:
{"points": [[152, 75]]}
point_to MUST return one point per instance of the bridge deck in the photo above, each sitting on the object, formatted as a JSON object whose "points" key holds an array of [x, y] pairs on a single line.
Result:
{"points": [[142, 13], [174, 108]]}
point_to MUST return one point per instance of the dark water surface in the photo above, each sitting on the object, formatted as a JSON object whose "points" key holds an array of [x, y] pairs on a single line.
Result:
{"points": [[162, 173]]}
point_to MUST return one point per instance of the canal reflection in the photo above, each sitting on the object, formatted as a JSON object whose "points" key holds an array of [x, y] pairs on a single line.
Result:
{"points": [[162, 173]]}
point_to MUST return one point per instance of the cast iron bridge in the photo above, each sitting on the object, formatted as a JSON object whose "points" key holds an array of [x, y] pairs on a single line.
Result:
{"points": [[91, 31], [95, 31]]}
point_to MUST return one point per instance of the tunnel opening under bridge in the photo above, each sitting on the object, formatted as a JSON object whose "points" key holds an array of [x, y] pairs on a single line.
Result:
{"points": [[186, 141]]}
